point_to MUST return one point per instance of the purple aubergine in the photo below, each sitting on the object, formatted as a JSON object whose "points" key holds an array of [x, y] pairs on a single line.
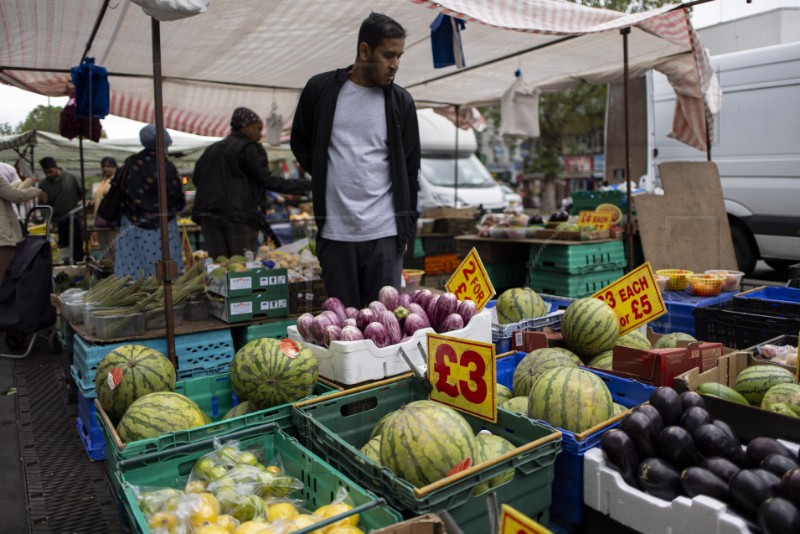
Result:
{"points": [[350, 321], [332, 333], [419, 310], [304, 327], [451, 323], [351, 312], [392, 325], [377, 333], [413, 323], [336, 306], [401, 313], [421, 294], [351, 333], [445, 305], [430, 308], [467, 310], [318, 326], [389, 297], [377, 306], [364, 317], [405, 300], [333, 316]]}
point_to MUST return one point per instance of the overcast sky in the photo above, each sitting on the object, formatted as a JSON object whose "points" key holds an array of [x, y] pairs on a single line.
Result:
{"points": [[15, 104]]}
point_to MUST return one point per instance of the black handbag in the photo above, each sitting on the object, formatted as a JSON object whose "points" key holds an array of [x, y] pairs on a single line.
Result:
{"points": [[110, 208]]}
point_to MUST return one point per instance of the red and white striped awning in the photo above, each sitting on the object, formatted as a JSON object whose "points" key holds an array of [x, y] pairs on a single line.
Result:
{"points": [[258, 52]]}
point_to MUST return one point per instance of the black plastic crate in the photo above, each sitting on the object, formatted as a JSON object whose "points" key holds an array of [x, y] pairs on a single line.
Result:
{"points": [[784, 301], [740, 329], [434, 246]]}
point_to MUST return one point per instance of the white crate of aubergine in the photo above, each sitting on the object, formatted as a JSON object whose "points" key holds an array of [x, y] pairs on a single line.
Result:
{"points": [[353, 362]]}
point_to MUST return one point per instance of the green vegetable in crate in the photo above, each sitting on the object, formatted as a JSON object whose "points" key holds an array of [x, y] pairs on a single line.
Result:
{"points": [[534, 365], [372, 449], [158, 413], [379, 426], [755, 381], [271, 372], [619, 409], [574, 357], [425, 440], [489, 448], [160, 500], [589, 326], [670, 341], [603, 360], [788, 394], [635, 340], [503, 394], [516, 405], [128, 373], [240, 409], [571, 398], [517, 304], [721, 391], [781, 408]]}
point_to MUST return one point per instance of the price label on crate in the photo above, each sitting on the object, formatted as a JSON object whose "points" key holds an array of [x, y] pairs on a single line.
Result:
{"points": [[470, 281], [463, 374], [514, 522], [635, 298], [602, 220]]}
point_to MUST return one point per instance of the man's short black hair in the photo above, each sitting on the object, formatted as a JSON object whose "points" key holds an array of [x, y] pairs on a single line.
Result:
{"points": [[377, 27]]}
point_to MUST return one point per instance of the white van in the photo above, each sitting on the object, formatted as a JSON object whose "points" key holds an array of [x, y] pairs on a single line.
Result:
{"points": [[756, 149], [441, 151]]}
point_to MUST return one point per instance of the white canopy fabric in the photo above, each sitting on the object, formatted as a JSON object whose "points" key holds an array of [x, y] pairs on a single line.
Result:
{"points": [[258, 52]]}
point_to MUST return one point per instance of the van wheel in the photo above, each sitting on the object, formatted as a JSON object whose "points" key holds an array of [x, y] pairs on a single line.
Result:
{"points": [[744, 248], [779, 265]]}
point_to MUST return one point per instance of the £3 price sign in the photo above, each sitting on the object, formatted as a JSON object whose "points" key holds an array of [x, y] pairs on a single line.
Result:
{"points": [[635, 298], [514, 522], [463, 375], [470, 281]]}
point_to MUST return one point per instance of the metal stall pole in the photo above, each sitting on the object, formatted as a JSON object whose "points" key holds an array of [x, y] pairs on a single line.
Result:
{"points": [[455, 176], [629, 225]]}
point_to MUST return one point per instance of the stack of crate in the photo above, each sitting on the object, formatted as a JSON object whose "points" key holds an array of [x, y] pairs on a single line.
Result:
{"points": [[246, 295], [575, 270]]}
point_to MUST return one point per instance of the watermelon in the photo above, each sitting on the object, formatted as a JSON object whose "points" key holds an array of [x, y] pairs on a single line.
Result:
{"points": [[721, 391], [135, 371], [783, 409], [268, 374], [619, 409], [240, 409], [571, 398], [425, 440], [589, 326], [378, 428], [516, 405], [670, 341], [158, 413], [575, 358], [489, 448], [503, 394], [788, 394], [603, 360], [755, 381], [372, 449], [517, 304], [534, 364], [635, 340]]}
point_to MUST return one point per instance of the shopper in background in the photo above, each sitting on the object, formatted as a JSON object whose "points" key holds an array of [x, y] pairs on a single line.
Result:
{"points": [[10, 229], [232, 178], [64, 195], [356, 133], [106, 234], [139, 236]]}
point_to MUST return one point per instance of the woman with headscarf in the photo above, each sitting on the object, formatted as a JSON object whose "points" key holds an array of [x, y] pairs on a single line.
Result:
{"points": [[139, 237], [232, 179], [105, 234], [10, 229]]}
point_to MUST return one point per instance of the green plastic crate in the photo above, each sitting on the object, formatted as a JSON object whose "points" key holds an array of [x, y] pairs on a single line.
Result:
{"points": [[321, 482], [571, 285], [275, 328], [419, 249], [504, 276], [215, 396], [579, 258], [339, 426], [589, 200]]}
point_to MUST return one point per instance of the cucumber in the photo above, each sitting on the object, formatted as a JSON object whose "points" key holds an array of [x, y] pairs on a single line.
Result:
{"points": [[715, 389]]}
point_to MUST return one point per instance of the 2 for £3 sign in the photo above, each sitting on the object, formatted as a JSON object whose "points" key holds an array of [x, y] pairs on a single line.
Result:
{"points": [[470, 281], [635, 298], [514, 522]]}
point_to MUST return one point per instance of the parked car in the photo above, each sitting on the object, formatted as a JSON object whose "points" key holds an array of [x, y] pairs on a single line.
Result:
{"points": [[512, 197]]}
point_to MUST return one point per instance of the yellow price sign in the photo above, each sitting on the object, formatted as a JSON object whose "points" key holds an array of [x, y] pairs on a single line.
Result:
{"points": [[470, 281], [635, 298], [514, 522], [463, 375], [602, 220]]}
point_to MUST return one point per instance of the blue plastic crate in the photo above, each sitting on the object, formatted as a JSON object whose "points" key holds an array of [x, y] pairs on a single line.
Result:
{"points": [[773, 299], [92, 439], [503, 334], [556, 302], [680, 311]]}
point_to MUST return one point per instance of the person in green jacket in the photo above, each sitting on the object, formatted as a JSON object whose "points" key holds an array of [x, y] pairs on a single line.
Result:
{"points": [[64, 195]]}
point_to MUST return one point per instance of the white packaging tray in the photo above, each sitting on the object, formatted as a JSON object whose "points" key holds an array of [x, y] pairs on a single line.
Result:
{"points": [[353, 362]]}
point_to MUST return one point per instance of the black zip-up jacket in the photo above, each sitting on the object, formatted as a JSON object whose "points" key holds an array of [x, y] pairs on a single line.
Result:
{"points": [[232, 179], [311, 135]]}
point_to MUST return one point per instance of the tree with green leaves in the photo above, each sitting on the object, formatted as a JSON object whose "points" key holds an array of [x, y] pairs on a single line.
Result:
{"points": [[42, 118], [6, 129]]}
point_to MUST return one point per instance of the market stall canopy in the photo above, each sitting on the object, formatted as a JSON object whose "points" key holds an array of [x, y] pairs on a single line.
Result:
{"points": [[259, 52]]}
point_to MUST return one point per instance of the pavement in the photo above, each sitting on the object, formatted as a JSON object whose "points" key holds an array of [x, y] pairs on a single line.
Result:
{"points": [[13, 495]]}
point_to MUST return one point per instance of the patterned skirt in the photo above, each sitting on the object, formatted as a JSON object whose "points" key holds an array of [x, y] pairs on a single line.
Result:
{"points": [[138, 249]]}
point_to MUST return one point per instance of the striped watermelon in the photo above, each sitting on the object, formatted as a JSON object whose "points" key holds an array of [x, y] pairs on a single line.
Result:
{"points": [[135, 371], [372, 449], [517, 304], [589, 327], [269, 375], [603, 360], [379, 426], [571, 398], [670, 341], [516, 405], [755, 381], [635, 340], [503, 394], [489, 448], [158, 413], [535, 364], [788, 394], [240, 409], [425, 440], [619, 409], [783, 409], [575, 358]]}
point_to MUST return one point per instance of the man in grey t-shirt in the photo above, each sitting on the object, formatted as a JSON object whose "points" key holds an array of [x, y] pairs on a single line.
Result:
{"points": [[356, 133]]}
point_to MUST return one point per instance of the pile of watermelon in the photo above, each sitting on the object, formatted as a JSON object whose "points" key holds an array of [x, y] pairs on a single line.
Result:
{"points": [[769, 387], [518, 304], [390, 320]]}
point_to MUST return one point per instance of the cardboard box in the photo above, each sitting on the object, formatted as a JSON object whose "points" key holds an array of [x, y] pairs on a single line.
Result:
{"points": [[243, 283], [306, 296], [450, 213], [654, 366], [240, 309], [424, 524], [526, 341]]}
